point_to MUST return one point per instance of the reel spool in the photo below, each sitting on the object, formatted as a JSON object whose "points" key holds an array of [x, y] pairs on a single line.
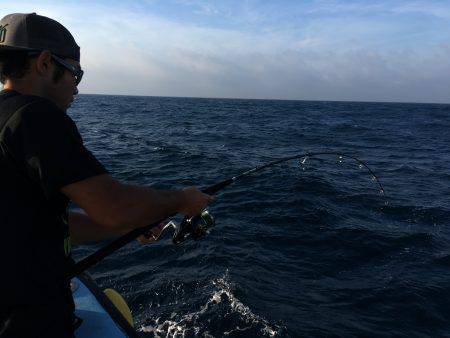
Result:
{"points": [[194, 227]]}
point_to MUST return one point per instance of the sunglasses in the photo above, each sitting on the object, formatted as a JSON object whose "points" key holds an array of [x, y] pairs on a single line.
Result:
{"points": [[76, 71]]}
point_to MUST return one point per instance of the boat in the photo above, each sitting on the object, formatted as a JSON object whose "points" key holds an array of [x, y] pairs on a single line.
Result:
{"points": [[104, 313]]}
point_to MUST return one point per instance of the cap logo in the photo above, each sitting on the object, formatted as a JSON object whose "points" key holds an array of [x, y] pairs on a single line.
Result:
{"points": [[3, 33]]}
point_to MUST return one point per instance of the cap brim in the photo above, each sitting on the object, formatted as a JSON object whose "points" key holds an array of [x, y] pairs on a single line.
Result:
{"points": [[8, 48]]}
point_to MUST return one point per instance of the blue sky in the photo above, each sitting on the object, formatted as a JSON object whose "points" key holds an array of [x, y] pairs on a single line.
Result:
{"points": [[318, 50]]}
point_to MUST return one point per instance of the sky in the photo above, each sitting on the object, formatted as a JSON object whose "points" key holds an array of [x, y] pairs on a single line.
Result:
{"points": [[357, 50]]}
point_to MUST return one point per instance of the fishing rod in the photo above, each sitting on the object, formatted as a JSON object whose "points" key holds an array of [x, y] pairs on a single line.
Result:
{"points": [[197, 226]]}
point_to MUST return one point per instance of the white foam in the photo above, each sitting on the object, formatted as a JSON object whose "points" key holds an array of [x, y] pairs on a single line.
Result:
{"points": [[189, 321]]}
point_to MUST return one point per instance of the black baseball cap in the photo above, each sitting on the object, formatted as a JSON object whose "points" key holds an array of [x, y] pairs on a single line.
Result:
{"points": [[36, 32]]}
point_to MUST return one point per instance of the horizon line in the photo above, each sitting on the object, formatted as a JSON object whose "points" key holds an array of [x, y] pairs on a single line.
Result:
{"points": [[266, 99]]}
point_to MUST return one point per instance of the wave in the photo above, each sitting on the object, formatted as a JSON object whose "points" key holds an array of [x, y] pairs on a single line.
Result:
{"points": [[221, 306]]}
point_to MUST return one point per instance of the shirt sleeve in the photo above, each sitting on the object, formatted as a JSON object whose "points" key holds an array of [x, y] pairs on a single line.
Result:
{"points": [[47, 142]]}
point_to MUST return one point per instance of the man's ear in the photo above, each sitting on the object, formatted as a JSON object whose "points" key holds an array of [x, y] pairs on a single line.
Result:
{"points": [[44, 64]]}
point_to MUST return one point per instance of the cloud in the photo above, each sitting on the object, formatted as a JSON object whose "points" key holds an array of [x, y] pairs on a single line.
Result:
{"points": [[331, 50]]}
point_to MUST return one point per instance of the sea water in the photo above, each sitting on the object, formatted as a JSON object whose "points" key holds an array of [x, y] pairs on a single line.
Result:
{"points": [[300, 249]]}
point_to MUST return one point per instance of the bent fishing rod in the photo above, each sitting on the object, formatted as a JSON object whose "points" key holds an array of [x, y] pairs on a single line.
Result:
{"points": [[197, 226]]}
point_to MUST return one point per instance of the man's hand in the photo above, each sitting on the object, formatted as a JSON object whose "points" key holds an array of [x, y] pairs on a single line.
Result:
{"points": [[152, 235], [194, 201]]}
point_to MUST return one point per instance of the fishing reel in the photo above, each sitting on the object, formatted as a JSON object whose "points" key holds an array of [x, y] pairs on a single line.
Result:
{"points": [[193, 227]]}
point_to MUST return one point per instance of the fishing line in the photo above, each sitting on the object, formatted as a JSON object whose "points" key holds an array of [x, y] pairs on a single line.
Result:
{"points": [[197, 226]]}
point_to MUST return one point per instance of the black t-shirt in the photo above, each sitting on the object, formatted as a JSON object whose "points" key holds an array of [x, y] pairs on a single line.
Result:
{"points": [[41, 151]]}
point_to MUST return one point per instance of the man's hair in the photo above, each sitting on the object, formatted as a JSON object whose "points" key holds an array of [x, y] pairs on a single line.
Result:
{"points": [[15, 64]]}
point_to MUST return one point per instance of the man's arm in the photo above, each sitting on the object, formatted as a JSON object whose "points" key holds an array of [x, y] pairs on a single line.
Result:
{"points": [[119, 207], [84, 230]]}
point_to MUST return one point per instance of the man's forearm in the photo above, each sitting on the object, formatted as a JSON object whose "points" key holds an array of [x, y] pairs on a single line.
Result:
{"points": [[139, 206], [84, 230], [123, 207]]}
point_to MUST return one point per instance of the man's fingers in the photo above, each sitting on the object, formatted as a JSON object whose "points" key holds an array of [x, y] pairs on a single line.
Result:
{"points": [[195, 201], [151, 235], [144, 240]]}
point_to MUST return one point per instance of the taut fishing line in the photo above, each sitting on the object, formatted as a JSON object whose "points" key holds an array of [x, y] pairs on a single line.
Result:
{"points": [[197, 226]]}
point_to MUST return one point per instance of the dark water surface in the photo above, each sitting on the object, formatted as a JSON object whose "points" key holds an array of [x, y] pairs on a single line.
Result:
{"points": [[312, 251]]}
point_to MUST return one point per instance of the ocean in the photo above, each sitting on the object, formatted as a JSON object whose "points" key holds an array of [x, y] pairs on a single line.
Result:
{"points": [[299, 250]]}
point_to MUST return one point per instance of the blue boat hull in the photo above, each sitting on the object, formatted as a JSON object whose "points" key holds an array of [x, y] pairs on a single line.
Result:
{"points": [[100, 317]]}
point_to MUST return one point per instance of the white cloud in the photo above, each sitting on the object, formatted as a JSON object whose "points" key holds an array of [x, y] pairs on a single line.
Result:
{"points": [[336, 50]]}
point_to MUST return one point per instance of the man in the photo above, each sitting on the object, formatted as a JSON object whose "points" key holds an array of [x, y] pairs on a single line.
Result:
{"points": [[44, 165]]}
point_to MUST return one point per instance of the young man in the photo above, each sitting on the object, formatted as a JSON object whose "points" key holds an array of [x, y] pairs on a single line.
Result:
{"points": [[44, 165]]}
